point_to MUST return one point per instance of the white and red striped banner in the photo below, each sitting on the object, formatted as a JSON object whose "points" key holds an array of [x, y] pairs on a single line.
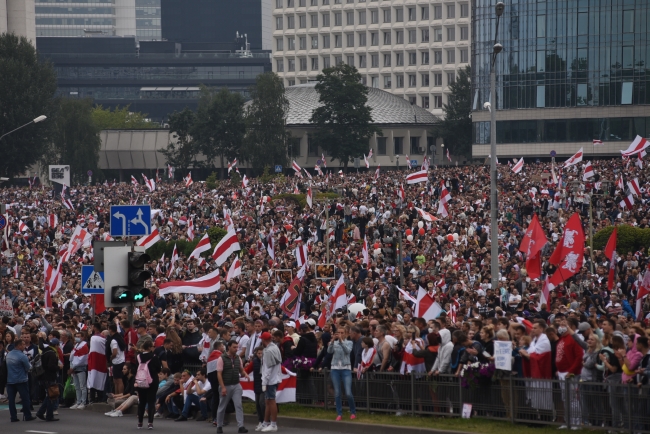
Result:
{"points": [[415, 177], [149, 240], [226, 247], [286, 389], [203, 285]]}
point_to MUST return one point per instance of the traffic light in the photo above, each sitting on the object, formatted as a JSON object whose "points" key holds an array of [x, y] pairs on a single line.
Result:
{"points": [[138, 275]]}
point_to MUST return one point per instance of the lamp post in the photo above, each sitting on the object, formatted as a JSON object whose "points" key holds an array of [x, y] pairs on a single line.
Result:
{"points": [[494, 207], [33, 121], [442, 154]]}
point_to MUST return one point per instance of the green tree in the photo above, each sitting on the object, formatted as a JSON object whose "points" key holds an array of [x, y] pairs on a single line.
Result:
{"points": [[344, 121], [27, 91], [220, 127], [267, 138], [183, 152], [121, 119], [456, 127], [75, 139]]}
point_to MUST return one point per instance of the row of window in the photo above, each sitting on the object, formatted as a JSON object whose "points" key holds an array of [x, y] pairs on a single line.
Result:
{"points": [[411, 11], [563, 130], [365, 17], [158, 72], [373, 60], [416, 146], [78, 10], [361, 39], [75, 21]]}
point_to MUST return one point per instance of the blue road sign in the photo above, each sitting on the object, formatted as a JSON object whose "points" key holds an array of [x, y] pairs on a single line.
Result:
{"points": [[92, 282], [3, 222], [278, 169], [414, 163], [130, 220], [553, 154]]}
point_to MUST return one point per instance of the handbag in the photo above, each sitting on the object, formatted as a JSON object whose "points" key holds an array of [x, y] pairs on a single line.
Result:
{"points": [[53, 391]]}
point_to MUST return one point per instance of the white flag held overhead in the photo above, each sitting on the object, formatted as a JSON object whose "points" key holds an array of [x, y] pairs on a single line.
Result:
{"points": [[519, 166]]}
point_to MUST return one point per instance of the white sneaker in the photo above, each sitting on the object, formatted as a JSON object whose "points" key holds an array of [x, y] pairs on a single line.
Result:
{"points": [[74, 407], [117, 413], [157, 416], [56, 413], [270, 428], [81, 407], [108, 413], [259, 426], [563, 427]]}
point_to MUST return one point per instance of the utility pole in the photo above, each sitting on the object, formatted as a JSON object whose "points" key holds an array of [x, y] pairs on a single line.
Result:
{"points": [[399, 259]]}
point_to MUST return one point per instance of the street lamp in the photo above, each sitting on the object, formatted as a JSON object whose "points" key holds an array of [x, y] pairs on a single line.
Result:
{"points": [[494, 229], [41, 118], [442, 153]]}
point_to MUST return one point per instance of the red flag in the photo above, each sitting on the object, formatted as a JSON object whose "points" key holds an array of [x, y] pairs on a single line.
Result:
{"points": [[610, 253], [569, 253], [531, 244]]}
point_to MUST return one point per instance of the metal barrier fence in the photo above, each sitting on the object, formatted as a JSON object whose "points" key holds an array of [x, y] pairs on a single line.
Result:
{"points": [[609, 406]]}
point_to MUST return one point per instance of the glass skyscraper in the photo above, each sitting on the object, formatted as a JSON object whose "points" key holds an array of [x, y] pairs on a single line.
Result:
{"points": [[571, 71]]}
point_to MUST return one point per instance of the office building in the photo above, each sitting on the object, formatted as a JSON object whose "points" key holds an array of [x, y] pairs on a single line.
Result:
{"points": [[200, 21], [64, 18], [153, 77], [17, 16], [411, 48], [570, 72]]}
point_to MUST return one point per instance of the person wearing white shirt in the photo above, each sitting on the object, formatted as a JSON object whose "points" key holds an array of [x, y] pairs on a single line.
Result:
{"points": [[195, 392], [255, 340]]}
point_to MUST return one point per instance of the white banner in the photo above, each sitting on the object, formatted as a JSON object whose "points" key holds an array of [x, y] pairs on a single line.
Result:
{"points": [[60, 174], [503, 355]]}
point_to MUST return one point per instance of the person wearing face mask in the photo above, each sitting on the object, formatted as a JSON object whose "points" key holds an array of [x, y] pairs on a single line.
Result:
{"points": [[78, 367], [568, 361]]}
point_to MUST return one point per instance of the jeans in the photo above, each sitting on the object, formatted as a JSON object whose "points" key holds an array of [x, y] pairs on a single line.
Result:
{"points": [[23, 390], [47, 408], [196, 400], [233, 392], [344, 375], [80, 387], [260, 406]]}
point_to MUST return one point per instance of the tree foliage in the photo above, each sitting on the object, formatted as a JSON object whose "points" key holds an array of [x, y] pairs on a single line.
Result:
{"points": [[456, 127], [75, 139], [628, 238], [219, 126], [183, 153], [343, 121], [121, 119], [267, 138], [27, 91]]}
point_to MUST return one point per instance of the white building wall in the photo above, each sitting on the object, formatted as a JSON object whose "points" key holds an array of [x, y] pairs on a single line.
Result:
{"points": [[20, 18], [416, 45]]}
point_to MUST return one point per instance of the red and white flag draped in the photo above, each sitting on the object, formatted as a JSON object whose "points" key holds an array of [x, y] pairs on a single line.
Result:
{"points": [[324, 161], [52, 220], [203, 285], [301, 255], [203, 246], [425, 215], [627, 202], [411, 363], [365, 160], [575, 159], [170, 171], [309, 197], [150, 183], [190, 229], [610, 253], [285, 393], [231, 165], [234, 270], [589, 172], [408, 161], [638, 145], [66, 202], [401, 193], [53, 280], [426, 305], [188, 180], [149, 240], [270, 244], [532, 243], [364, 252], [338, 298], [22, 227], [172, 262], [445, 198], [244, 181], [415, 177], [634, 187], [406, 295], [79, 238], [518, 166], [597, 142], [97, 370], [290, 301], [377, 172], [296, 168], [228, 244], [569, 253], [134, 181], [644, 290]]}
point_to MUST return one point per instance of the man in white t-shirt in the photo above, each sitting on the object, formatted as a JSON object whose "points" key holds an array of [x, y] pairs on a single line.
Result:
{"points": [[117, 358], [196, 392]]}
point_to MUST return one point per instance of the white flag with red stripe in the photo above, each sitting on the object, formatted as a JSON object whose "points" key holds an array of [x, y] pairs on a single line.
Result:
{"points": [[203, 285], [425, 215], [172, 262], [597, 142], [575, 159], [149, 240], [296, 168], [234, 270], [322, 157], [52, 220], [408, 161], [231, 165], [377, 172], [309, 197], [339, 298], [364, 251], [627, 202], [518, 166], [190, 229], [365, 160], [589, 172], [22, 227], [301, 255], [401, 193], [426, 305], [638, 145], [134, 181], [188, 180], [415, 177], [634, 187], [285, 393], [228, 244], [97, 370], [203, 246]]}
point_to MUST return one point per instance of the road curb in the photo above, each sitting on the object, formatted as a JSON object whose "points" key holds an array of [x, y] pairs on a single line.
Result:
{"points": [[350, 427]]}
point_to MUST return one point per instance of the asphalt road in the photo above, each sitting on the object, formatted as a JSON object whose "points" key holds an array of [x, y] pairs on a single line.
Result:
{"points": [[88, 422]]}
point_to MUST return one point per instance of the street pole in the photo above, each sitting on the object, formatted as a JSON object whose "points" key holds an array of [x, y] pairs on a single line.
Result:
{"points": [[399, 259], [591, 235], [494, 227], [327, 230]]}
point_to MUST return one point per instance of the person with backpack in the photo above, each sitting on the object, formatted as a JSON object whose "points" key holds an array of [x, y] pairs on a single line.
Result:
{"points": [[49, 360], [146, 382]]}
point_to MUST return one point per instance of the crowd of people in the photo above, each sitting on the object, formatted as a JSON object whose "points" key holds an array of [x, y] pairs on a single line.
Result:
{"points": [[182, 355]]}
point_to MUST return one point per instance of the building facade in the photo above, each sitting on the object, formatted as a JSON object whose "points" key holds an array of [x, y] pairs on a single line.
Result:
{"points": [[60, 18], [570, 72], [17, 16], [411, 48], [153, 77]]}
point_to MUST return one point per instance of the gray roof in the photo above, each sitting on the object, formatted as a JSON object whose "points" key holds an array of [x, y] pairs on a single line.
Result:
{"points": [[387, 109]]}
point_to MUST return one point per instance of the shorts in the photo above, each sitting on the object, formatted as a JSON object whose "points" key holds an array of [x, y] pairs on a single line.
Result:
{"points": [[270, 391], [117, 371]]}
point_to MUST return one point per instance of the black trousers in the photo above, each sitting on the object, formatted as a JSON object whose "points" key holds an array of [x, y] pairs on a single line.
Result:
{"points": [[147, 397]]}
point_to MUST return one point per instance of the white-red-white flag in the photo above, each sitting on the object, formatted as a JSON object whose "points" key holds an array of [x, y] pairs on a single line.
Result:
{"points": [[52, 220], [589, 172], [408, 161], [134, 181], [301, 255], [149, 240], [203, 285], [401, 193], [627, 202], [365, 160], [634, 187], [190, 229], [231, 165], [339, 298], [518, 166], [426, 305], [416, 177], [22, 227], [575, 159], [296, 168], [234, 270], [309, 197], [638, 145], [448, 156], [377, 172], [322, 157], [597, 142], [228, 244], [364, 252], [170, 171], [425, 215], [203, 246]]}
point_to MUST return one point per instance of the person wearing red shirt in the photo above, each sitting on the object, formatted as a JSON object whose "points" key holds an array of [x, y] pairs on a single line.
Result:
{"points": [[131, 339], [568, 361]]}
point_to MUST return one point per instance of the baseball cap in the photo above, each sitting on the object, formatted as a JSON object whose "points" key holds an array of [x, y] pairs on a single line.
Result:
{"points": [[266, 336], [290, 324], [228, 324], [311, 322]]}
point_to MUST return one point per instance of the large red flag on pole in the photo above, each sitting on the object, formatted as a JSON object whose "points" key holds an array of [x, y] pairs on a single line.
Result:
{"points": [[569, 253], [531, 244], [610, 252]]}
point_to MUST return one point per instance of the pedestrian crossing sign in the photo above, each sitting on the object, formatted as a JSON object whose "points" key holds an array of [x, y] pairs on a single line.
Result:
{"points": [[92, 281]]}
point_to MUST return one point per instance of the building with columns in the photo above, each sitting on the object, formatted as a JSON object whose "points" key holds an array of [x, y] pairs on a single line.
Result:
{"points": [[17, 16]]}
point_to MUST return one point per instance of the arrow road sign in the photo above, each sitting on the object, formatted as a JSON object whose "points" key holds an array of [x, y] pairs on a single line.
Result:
{"points": [[130, 220], [92, 281]]}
